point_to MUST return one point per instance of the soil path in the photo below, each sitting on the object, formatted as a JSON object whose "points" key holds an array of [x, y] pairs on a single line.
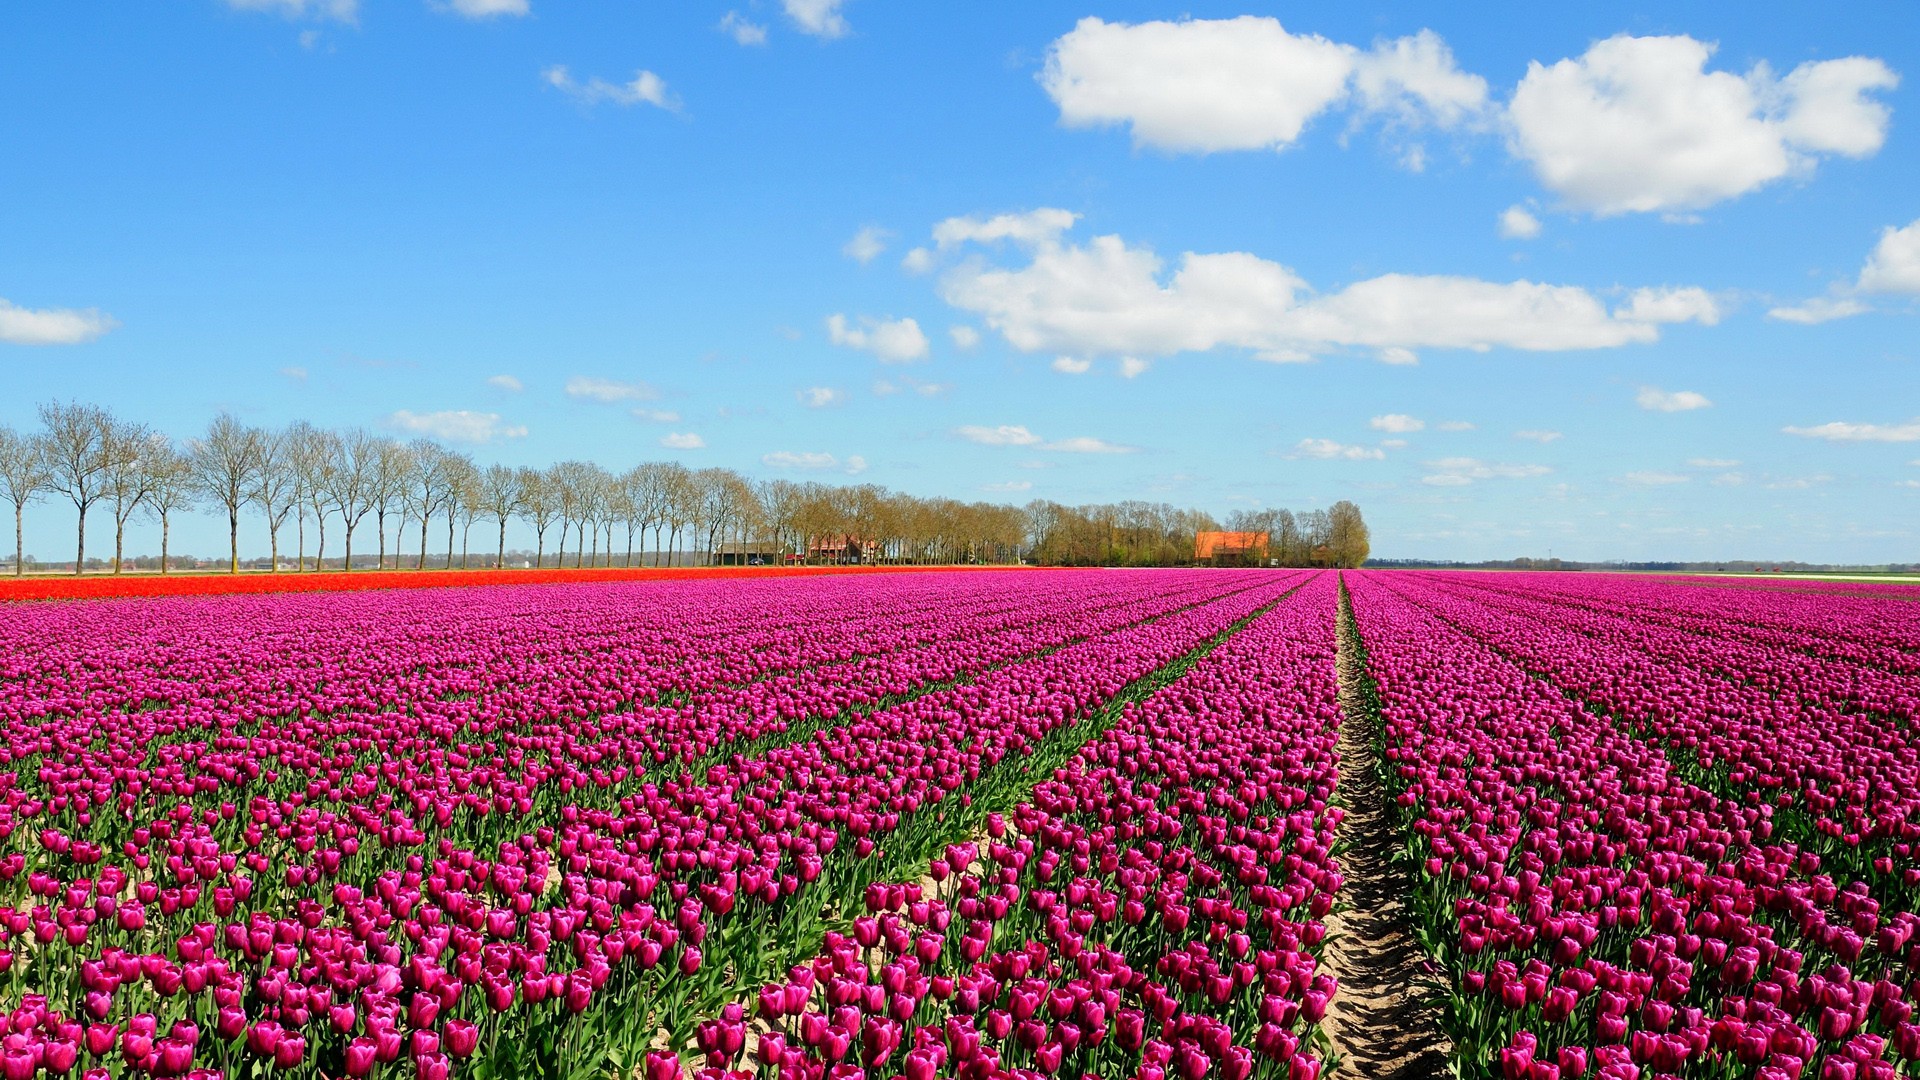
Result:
{"points": [[1379, 1025]]}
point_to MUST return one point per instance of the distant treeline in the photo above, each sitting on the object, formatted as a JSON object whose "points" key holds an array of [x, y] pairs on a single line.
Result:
{"points": [[334, 484]]}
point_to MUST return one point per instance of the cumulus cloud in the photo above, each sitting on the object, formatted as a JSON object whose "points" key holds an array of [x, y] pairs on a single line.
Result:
{"points": [[1133, 367], [1208, 85], [52, 326], [592, 388], [889, 387], [866, 244], [1329, 450], [821, 18], [1107, 298], [1818, 310], [894, 341], [964, 337], [1539, 435], [486, 9], [682, 440], [1460, 471], [1070, 365], [1030, 228], [1397, 423], [646, 88], [814, 461], [345, 11], [1843, 431], [507, 383], [456, 425], [917, 261], [1016, 435], [1638, 124], [1397, 355], [1657, 400], [1518, 223], [742, 30], [1894, 266], [1004, 435], [819, 397]]}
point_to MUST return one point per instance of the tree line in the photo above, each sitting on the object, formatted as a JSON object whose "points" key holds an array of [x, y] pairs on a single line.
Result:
{"points": [[302, 477]]}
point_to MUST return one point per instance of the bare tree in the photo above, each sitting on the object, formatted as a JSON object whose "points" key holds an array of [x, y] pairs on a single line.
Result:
{"points": [[390, 471], [1348, 539], [682, 505], [499, 497], [276, 483], [171, 489], [23, 479], [349, 481], [225, 462], [128, 478], [319, 452], [539, 503], [424, 490], [75, 451], [461, 478]]}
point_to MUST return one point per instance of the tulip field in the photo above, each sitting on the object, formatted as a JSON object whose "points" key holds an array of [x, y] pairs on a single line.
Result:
{"points": [[971, 825]]}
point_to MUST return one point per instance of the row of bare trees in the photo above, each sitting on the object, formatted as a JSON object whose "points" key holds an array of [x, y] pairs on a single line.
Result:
{"points": [[301, 477], [1137, 533]]}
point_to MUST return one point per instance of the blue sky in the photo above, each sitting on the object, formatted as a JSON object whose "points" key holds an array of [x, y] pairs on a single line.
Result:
{"points": [[1146, 252]]}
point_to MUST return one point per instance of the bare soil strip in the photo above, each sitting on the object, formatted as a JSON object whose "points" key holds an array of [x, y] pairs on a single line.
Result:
{"points": [[1382, 1023]]}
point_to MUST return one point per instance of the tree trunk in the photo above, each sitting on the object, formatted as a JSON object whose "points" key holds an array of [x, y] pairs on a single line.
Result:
{"points": [[19, 540], [465, 536], [423, 544], [233, 539], [380, 522], [80, 549], [273, 543], [346, 561], [119, 540], [320, 548], [562, 563], [422, 564], [500, 561], [164, 523], [300, 537], [539, 546]]}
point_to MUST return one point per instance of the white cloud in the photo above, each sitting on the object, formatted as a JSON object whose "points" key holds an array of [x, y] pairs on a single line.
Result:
{"points": [[1031, 228], [819, 397], [742, 30], [814, 461], [917, 261], [656, 416], [345, 11], [964, 337], [1638, 124], [682, 440], [52, 326], [1133, 367], [507, 383], [1657, 400], [1327, 449], [1729, 479], [1083, 444], [1398, 423], [486, 9], [821, 18], [866, 244], [1393, 444], [1068, 365], [1004, 435], [1202, 85], [1009, 485], [1654, 479], [1107, 298], [1016, 435], [1894, 266], [1538, 435], [645, 89], [1455, 425], [456, 425], [1712, 463], [294, 372], [894, 341], [608, 390], [1842, 431], [1518, 223], [1398, 356], [1818, 310], [888, 387], [1669, 305], [1460, 471]]}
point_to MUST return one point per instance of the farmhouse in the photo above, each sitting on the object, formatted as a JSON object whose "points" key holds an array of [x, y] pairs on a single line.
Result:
{"points": [[1229, 548]]}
